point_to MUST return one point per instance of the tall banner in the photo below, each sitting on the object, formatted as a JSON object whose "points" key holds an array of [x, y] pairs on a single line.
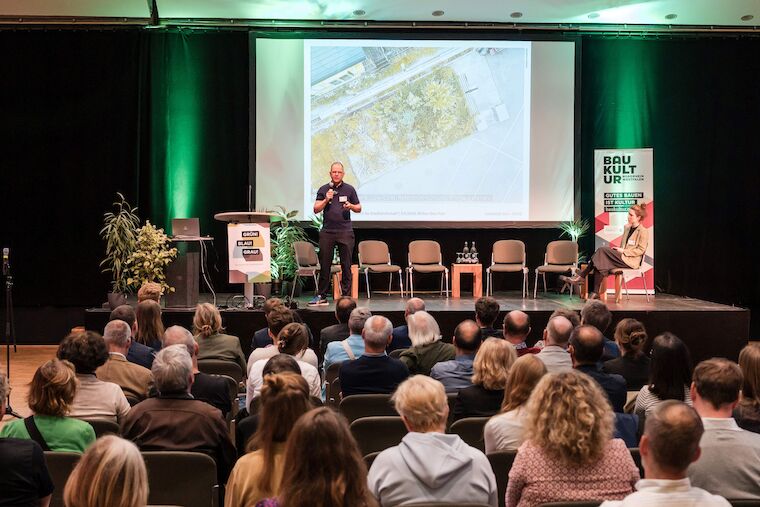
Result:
{"points": [[249, 250], [623, 178]]}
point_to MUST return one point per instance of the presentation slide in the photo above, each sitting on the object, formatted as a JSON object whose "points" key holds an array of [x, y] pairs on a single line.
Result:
{"points": [[431, 133]]}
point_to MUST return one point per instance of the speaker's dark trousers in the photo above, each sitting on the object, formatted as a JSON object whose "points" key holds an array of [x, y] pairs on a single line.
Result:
{"points": [[327, 241]]}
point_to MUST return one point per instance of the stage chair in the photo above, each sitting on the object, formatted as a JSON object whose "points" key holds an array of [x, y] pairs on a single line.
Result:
{"points": [[357, 406], [374, 257], [378, 433], [104, 427], [470, 429], [332, 384], [620, 276], [561, 257], [60, 465], [501, 464], [508, 256], [308, 264], [221, 367], [181, 478], [425, 257]]}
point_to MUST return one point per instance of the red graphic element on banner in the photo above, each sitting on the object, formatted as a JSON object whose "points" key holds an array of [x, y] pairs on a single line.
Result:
{"points": [[601, 220]]}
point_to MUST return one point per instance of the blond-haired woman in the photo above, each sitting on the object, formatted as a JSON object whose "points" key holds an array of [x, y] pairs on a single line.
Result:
{"points": [[212, 343], [569, 453], [747, 413], [50, 397], [429, 465], [490, 370], [506, 430], [427, 348], [110, 474]]}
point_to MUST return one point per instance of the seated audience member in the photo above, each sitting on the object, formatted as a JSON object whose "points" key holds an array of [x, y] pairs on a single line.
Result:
{"points": [[150, 329], [278, 318], [212, 344], [133, 379], [669, 445], [586, 349], [457, 373], [174, 420], [486, 314], [150, 290], [209, 388], [112, 472], [262, 338], [401, 333], [554, 353], [670, 374], [94, 398], [506, 430], [569, 452], [324, 466], [516, 330], [50, 396], [344, 305], [633, 364], [730, 462], [292, 341], [29, 483], [374, 372], [747, 412], [490, 370], [595, 313], [353, 346], [429, 465], [258, 474], [138, 353], [427, 348]]}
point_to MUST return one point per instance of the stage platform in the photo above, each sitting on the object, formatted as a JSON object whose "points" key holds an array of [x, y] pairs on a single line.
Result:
{"points": [[709, 329]]}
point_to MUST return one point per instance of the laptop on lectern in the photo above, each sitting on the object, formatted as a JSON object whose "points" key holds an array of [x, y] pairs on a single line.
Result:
{"points": [[186, 227]]}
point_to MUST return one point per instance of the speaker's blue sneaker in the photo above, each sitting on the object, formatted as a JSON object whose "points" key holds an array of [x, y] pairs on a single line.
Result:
{"points": [[319, 301]]}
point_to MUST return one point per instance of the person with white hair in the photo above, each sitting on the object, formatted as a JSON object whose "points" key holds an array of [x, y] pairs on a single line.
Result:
{"points": [[374, 372], [174, 420], [353, 346], [401, 333], [133, 379], [430, 465], [427, 348]]}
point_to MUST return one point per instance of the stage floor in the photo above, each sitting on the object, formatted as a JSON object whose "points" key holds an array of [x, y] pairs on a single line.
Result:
{"points": [[710, 329]]}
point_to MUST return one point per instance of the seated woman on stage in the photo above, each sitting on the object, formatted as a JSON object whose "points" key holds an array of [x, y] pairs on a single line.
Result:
{"points": [[628, 256]]}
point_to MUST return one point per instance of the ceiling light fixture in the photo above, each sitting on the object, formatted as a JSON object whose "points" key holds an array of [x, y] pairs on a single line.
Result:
{"points": [[438, 13], [593, 15], [359, 12], [671, 16], [516, 15], [748, 17]]}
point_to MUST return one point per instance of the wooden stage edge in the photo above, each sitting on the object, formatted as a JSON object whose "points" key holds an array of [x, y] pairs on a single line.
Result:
{"points": [[709, 329]]}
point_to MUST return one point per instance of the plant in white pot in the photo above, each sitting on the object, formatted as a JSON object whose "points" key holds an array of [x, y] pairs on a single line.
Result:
{"points": [[120, 234]]}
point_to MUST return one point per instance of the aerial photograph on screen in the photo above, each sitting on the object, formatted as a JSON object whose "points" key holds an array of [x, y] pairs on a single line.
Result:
{"points": [[441, 124]]}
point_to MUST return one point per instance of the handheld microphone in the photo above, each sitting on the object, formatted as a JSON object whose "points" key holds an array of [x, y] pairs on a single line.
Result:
{"points": [[6, 263]]}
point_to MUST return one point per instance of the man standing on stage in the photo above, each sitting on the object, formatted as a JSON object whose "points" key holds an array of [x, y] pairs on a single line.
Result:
{"points": [[337, 199]]}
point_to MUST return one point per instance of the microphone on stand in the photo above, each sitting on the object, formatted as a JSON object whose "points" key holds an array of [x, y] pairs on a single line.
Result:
{"points": [[6, 263]]}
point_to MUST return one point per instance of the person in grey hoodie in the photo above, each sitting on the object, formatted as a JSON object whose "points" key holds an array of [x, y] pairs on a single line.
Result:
{"points": [[429, 465]]}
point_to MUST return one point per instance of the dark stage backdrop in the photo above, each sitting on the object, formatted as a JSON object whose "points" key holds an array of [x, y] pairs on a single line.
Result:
{"points": [[163, 117]]}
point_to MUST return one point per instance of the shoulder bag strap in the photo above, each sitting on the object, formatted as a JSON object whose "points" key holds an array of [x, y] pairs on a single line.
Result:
{"points": [[348, 350], [34, 432]]}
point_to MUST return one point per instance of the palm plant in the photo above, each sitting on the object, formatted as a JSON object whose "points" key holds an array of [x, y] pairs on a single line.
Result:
{"points": [[285, 232], [120, 234]]}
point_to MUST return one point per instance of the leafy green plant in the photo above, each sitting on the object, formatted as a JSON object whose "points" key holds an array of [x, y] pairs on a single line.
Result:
{"points": [[120, 234], [575, 229], [150, 257], [285, 231]]}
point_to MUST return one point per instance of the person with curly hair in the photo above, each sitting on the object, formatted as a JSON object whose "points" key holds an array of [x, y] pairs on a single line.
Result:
{"points": [[633, 364], [212, 343], [490, 369], [94, 398], [51, 394], [569, 453], [506, 430]]}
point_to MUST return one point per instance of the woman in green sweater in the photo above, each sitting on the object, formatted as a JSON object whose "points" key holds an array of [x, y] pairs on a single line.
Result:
{"points": [[50, 395]]}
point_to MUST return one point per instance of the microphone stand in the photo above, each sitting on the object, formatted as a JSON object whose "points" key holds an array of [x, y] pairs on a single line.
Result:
{"points": [[10, 329]]}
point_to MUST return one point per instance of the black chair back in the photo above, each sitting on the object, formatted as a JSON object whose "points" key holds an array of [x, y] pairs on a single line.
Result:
{"points": [[470, 429], [364, 405], [60, 465], [377, 433], [104, 427], [501, 464], [181, 478], [221, 367]]}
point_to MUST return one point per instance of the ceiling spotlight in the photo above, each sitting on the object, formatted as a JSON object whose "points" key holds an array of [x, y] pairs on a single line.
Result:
{"points": [[437, 13], [671, 16], [593, 15], [516, 15], [748, 17], [359, 12]]}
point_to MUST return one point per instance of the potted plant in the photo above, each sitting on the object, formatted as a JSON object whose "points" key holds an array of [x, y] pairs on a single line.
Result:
{"points": [[150, 258], [285, 232], [575, 229], [120, 234]]}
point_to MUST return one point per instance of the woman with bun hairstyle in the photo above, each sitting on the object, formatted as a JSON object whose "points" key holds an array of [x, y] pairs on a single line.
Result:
{"points": [[633, 364], [212, 344], [628, 255]]}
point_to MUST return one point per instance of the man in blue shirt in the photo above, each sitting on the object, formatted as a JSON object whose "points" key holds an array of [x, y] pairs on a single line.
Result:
{"points": [[586, 349], [457, 374], [337, 199], [353, 346], [595, 313]]}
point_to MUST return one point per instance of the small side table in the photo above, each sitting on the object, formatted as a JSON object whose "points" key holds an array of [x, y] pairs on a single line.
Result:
{"points": [[354, 283], [477, 279]]}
